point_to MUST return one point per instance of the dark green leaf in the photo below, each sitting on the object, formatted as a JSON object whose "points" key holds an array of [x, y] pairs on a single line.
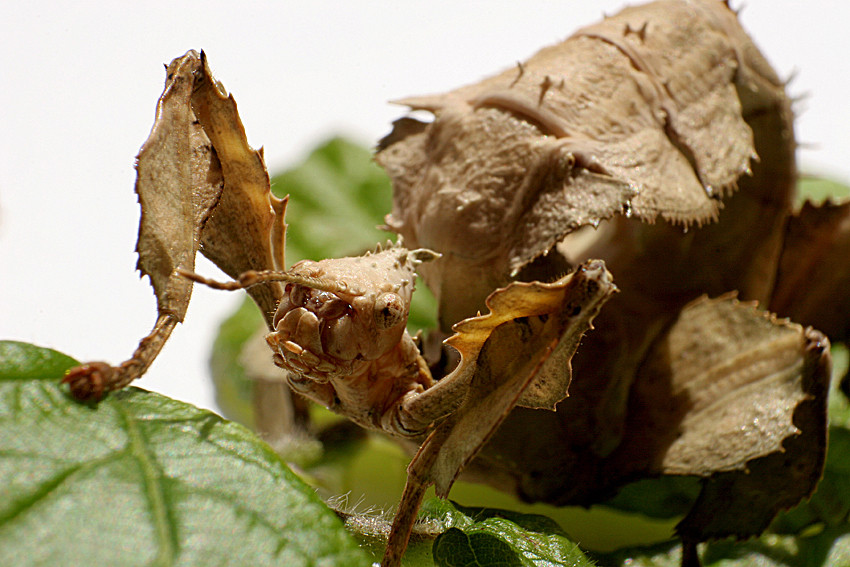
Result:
{"points": [[665, 497], [454, 548], [490, 537], [141, 479]]}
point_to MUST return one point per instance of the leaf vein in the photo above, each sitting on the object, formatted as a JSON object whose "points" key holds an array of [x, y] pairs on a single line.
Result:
{"points": [[49, 485], [165, 524]]}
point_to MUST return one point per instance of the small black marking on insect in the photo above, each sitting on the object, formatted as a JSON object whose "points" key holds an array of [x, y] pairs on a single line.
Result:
{"points": [[640, 32], [520, 72], [545, 85]]}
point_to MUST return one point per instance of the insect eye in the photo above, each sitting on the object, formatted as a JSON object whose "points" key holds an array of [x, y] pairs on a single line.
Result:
{"points": [[389, 310]]}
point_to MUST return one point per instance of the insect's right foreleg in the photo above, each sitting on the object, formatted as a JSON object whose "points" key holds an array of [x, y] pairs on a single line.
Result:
{"points": [[420, 410]]}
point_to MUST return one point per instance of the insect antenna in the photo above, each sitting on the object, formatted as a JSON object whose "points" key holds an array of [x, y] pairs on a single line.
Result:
{"points": [[255, 277]]}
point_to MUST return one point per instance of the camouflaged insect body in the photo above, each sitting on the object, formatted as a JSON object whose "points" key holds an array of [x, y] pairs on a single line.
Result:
{"points": [[342, 336], [661, 142], [644, 114]]}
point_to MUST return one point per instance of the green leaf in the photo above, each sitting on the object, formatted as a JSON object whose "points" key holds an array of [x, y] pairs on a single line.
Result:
{"points": [[140, 479], [21, 361], [457, 548], [817, 189], [338, 198], [486, 536], [664, 497], [233, 390], [839, 405]]}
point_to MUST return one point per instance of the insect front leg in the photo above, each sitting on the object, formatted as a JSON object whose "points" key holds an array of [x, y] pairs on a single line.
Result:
{"points": [[425, 408], [426, 401]]}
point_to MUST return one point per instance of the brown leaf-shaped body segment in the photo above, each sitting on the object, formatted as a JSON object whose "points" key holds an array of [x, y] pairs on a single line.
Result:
{"points": [[647, 114], [726, 392], [813, 281], [731, 378], [178, 183], [247, 229], [518, 353], [199, 185], [767, 405]]}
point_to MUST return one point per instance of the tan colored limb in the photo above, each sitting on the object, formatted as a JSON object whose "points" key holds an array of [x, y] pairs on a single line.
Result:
{"points": [[91, 381]]}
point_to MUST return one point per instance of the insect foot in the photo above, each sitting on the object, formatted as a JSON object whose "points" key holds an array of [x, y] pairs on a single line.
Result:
{"points": [[88, 381], [91, 381]]}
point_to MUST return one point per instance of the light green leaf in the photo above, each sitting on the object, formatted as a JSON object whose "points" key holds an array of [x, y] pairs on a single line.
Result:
{"points": [[233, 390], [20, 361], [817, 188], [338, 198], [140, 479]]}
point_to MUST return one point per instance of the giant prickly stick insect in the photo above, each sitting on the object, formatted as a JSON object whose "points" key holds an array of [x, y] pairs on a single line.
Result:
{"points": [[660, 141]]}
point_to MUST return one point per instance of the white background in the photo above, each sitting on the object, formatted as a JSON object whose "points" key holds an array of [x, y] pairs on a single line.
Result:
{"points": [[79, 83]]}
